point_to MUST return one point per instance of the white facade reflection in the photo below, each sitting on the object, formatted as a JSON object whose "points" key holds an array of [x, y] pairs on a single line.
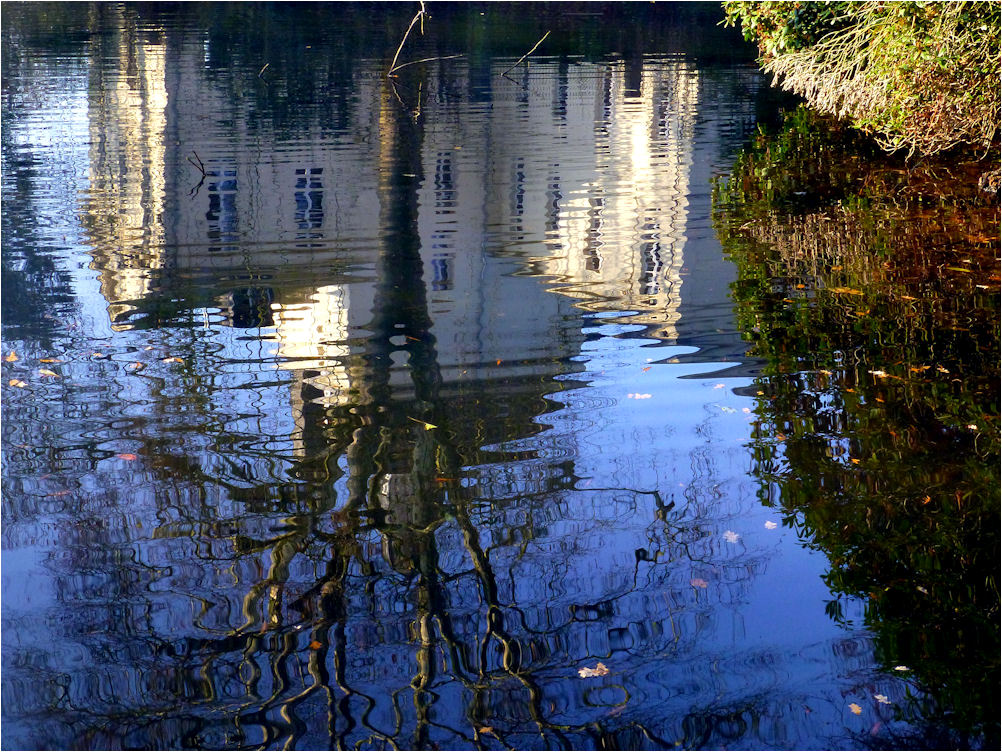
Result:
{"points": [[575, 181]]}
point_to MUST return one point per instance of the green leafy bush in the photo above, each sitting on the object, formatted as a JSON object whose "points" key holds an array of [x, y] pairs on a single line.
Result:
{"points": [[921, 76]]}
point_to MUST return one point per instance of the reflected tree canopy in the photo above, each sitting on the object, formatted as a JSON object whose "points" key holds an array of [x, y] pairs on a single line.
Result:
{"points": [[871, 289]]}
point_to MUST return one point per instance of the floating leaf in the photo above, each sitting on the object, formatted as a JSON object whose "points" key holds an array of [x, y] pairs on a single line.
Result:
{"points": [[427, 426], [11, 357], [316, 645], [855, 708], [137, 366], [731, 537], [769, 525], [599, 670], [17, 382], [126, 456], [49, 360], [699, 582], [719, 386], [486, 730], [47, 372], [878, 373], [172, 360], [98, 355], [901, 668], [645, 369], [882, 699], [846, 290]]}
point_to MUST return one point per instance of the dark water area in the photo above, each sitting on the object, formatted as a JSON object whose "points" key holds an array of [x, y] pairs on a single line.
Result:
{"points": [[592, 403]]}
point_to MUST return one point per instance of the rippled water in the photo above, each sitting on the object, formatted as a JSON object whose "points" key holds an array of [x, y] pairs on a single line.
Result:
{"points": [[426, 397]]}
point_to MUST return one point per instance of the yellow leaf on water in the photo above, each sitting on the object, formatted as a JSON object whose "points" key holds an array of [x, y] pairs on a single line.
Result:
{"points": [[599, 670], [846, 290], [126, 456], [316, 645], [172, 360], [855, 708], [49, 360], [11, 357], [17, 382], [427, 426], [486, 730], [47, 372]]}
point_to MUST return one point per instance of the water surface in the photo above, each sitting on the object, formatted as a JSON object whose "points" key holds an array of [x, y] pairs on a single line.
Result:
{"points": [[409, 412]]}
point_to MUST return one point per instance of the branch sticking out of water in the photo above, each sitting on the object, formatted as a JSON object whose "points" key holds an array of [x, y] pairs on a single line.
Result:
{"points": [[422, 60], [199, 164], [419, 16], [528, 53]]}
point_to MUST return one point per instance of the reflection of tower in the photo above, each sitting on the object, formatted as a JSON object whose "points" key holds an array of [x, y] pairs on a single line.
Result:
{"points": [[122, 212]]}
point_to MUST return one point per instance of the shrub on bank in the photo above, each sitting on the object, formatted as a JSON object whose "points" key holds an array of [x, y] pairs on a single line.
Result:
{"points": [[921, 76]]}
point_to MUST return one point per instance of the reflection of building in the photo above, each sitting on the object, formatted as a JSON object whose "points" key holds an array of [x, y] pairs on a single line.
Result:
{"points": [[613, 222], [576, 183], [123, 211]]}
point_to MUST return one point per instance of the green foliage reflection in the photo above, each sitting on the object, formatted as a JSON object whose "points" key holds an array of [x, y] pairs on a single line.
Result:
{"points": [[871, 293]]}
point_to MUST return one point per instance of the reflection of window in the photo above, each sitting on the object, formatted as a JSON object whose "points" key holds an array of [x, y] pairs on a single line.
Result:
{"points": [[445, 190], [222, 213], [250, 308], [309, 202], [650, 274], [440, 265]]}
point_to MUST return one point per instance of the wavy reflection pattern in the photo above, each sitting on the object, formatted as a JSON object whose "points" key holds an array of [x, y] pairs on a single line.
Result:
{"points": [[327, 483]]}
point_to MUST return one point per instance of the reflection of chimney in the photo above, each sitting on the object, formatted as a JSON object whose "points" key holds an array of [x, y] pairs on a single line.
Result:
{"points": [[122, 213]]}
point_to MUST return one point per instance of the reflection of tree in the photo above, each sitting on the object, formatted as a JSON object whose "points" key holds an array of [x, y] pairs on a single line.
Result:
{"points": [[878, 420]]}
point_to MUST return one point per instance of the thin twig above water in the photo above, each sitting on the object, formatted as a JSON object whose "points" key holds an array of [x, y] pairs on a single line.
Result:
{"points": [[419, 16], [422, 60], [527, 53]]}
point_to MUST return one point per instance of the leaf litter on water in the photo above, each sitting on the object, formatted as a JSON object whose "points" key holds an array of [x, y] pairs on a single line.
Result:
{"points": [[599, 670]]}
